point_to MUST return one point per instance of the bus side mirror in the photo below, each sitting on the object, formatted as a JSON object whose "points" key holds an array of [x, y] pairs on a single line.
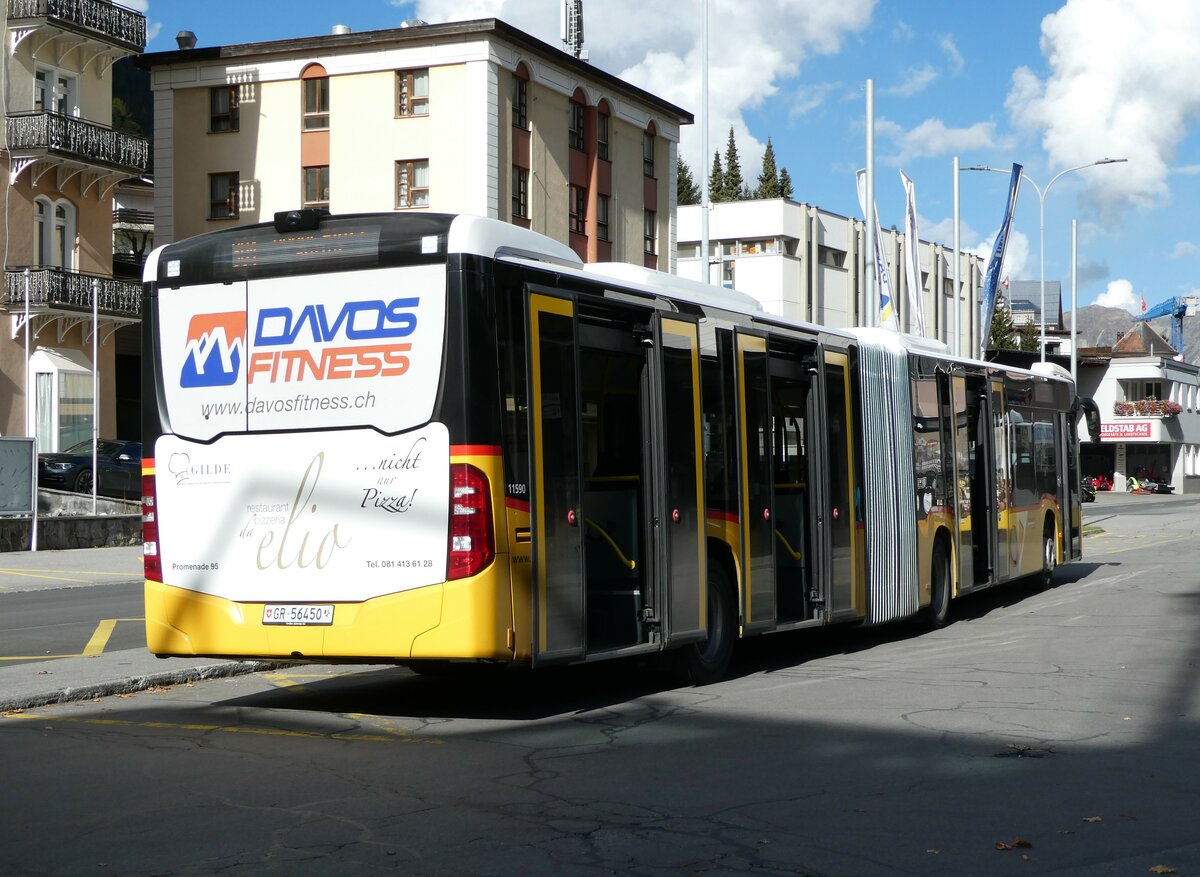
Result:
{"points": [[1091, 415]]}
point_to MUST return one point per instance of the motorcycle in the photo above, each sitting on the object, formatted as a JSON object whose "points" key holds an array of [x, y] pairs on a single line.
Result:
{"points": [[1087, 490]]}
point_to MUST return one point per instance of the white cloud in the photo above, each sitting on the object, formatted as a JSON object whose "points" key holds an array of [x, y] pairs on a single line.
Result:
{"points": [[1124, 82], [1016, 254], [152, 31], [902, 32], [1120, 294], [916, 80], [953, 55], [932, 138], [751, 55], [1184, 249]]}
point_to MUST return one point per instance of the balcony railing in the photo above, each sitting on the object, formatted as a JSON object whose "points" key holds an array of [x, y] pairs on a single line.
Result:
{"points": [[78, 140], [106, 20], [56, 289], [128, 216], [1146, 408]]}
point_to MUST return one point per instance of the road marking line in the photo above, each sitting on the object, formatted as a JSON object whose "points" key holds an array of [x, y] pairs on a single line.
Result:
{"points": [[1144, 546], [228, 729], [57, 573], [53, 578], [95, 645]]}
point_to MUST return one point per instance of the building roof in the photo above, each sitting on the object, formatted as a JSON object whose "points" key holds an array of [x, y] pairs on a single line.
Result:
{"points": [[1141, 340], [375, 39]]}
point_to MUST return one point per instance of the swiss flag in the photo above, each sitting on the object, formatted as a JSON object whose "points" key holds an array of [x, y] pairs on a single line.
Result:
{"points": [[1143, 304]]}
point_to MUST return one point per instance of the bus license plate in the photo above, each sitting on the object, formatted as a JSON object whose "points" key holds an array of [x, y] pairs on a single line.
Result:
{"points": [[297, 613]]}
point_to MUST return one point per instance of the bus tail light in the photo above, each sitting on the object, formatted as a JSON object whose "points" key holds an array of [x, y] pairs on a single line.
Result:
{"points": [[150, 557], [472, 543]]}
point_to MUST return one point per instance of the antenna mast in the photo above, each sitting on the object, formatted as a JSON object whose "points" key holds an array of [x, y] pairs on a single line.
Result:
{"points": [[572, 28]]}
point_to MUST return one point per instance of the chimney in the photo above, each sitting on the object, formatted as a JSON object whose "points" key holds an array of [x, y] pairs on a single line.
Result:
{"points": [[185, 39], [340, 29]]}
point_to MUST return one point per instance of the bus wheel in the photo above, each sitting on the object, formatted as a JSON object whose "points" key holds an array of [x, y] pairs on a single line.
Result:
{"points": [[939, 585], [706, 662], [1045, 578]]}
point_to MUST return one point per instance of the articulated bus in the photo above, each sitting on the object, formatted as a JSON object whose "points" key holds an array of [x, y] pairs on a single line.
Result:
{"points": [[428, 438]]}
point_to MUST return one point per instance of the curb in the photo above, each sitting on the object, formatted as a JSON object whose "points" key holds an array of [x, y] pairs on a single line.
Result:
{"points": [[131, 684]]}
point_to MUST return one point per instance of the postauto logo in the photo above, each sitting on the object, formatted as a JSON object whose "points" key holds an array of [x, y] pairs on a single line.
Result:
{"points": [[359, 339]]}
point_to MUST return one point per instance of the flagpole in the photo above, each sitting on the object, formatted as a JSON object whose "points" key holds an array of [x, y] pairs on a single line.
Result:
{"points": [[871, 311]]}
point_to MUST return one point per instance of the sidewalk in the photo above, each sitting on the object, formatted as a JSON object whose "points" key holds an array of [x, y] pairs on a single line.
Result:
{"points": [[28, 685]]}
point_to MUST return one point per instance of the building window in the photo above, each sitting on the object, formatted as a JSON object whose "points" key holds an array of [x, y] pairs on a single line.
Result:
{"points": [[223, 196], [649, 238], [55, 92], [520, 102], [602, 121], [647, 154], [316, 186], [575, 134], [578, 210], [412, 93], [316, 103], [602, 217], [223, 108], [54, 230], [412, 183], [520, 192]]}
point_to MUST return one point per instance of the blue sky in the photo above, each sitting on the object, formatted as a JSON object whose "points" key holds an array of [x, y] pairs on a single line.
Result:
{"points": [[1047, 84]]}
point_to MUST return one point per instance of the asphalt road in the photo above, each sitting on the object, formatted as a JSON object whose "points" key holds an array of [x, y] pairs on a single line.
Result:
{"points": [[41, 624], [1045, 733]]}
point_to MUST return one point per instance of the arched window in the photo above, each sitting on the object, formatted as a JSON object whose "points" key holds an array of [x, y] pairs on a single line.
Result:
{"points": [[603, 129], [54, 232], [520, 97], [575, 131], [648, 137], [316, 97]]}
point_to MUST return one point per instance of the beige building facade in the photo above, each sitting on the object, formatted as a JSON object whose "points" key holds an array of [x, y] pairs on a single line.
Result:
{"points": [[63, 160], [471, 117]]}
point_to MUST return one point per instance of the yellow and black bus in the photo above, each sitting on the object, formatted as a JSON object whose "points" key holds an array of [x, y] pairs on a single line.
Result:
{"points": [[432, 438]]}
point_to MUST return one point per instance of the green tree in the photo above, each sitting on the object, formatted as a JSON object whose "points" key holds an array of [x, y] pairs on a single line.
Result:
{"points": [[733, 185], [122, 118], [716, 180], [1003, 335], [1027, 338], [768, 178], [686, 190], [785, 183]]}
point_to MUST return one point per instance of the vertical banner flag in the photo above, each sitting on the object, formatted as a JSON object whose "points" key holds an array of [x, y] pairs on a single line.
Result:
{"points": [[987, 306], [887, 314], [912, 257]]}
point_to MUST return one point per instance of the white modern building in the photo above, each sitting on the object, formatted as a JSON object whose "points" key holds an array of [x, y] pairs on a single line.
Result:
{"points": [[806, 263]]}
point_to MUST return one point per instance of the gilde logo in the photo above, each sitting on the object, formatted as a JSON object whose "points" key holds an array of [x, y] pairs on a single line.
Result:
{"points": [[213, 355], [187, 472]]}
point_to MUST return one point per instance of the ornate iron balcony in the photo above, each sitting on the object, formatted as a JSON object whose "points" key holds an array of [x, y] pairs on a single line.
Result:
{"points": [[56, 289], [95, 18], [45, 135]]}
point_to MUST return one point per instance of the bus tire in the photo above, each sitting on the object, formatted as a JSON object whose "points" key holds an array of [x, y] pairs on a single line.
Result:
{"points": [[939, 588], [1045, 579], [706, 662]]}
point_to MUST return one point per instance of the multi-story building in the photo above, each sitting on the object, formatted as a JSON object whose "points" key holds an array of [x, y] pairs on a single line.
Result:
{"points": [[1149, 401], [62, 306], [806, 263], [471, 117]]}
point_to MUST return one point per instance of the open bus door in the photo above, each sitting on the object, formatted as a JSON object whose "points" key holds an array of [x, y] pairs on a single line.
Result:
{"points": [[617, 504], [756, 481]]}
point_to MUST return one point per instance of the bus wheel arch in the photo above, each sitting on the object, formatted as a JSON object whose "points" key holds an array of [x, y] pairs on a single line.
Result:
{"points": [[706, 662], [940, 582]]}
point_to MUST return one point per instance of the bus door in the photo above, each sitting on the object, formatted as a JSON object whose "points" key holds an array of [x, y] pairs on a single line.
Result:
{"points": [[557, 490], [1002, 464], [1067, 454], [843, 498], [756, 483], [983, 517], [678, 516]]}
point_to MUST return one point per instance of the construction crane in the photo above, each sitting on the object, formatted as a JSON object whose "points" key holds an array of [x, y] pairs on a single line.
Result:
{"points": [[1176, 308]]}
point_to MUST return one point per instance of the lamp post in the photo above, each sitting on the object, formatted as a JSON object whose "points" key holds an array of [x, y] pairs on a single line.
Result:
{"points": [[1042, 228]]}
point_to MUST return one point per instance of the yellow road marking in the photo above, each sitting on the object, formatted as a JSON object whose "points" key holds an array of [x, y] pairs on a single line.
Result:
{"points": [[227, 729], [95, 645], [1142, 547], [54, 578], [57, 573]]}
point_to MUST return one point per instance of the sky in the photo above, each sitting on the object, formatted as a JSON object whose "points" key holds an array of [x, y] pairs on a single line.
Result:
{"points": [[1048, 85]]}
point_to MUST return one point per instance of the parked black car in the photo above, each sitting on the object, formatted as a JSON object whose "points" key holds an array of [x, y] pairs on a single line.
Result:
{"points": [[119, 462]]}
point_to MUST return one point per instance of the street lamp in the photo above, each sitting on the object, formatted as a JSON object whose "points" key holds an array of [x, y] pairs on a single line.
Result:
{"points": [[1042, 227]]}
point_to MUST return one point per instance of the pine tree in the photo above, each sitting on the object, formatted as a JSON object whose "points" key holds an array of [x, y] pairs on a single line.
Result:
{"points": [[716, 180], [733, 185], [1027, 338], [785, 183], [687, 191], [768, 178], [1003, 335]]}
